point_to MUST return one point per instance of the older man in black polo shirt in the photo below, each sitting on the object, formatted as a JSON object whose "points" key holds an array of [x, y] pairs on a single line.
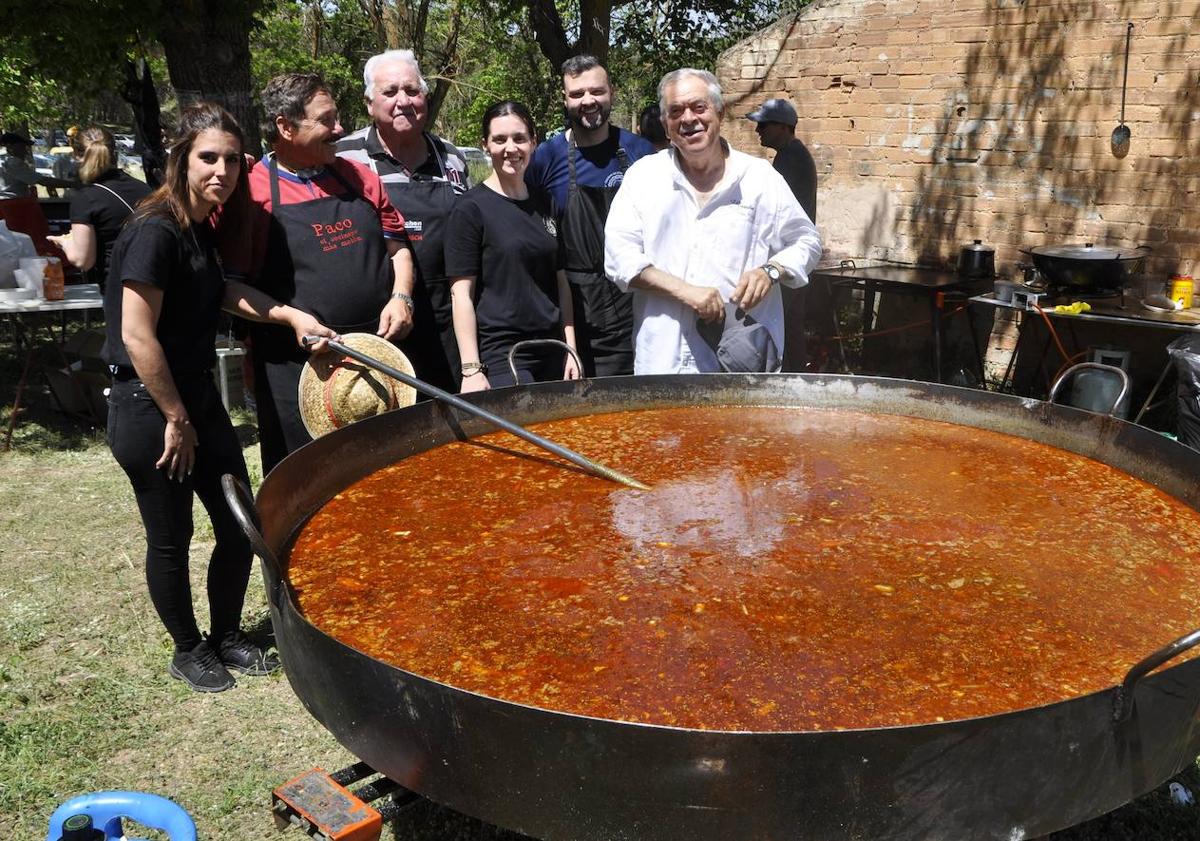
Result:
{"points": [[424, 175]]}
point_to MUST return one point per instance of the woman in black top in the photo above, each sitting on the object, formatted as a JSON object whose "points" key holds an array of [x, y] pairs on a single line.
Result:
{"points": [[166, 424], [502, 256], [98, 210]]}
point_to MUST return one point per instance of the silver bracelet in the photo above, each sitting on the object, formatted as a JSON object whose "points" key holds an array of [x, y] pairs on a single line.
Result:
{"points": [[405, 297]]}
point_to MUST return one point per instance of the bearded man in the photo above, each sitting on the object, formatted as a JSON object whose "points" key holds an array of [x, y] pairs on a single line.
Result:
{"points": [[581, 170]]}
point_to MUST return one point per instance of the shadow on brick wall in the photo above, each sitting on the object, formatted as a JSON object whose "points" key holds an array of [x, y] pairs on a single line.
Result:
{"points": [[1021, 155]]}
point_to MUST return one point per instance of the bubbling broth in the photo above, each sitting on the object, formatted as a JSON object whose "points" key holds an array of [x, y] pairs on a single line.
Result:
{"points": [[790, 570]]}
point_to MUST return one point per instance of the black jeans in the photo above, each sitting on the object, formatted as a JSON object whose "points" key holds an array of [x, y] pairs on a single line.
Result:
{"points": [[135, 435]]}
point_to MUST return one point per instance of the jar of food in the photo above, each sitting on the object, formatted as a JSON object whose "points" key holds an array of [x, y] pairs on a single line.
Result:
{"points": [[54, 288], [1181, 290]]}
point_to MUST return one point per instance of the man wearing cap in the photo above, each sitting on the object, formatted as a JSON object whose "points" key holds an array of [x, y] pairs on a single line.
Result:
{"points": [[776, 128], [324, 238], [704, 233], [18, 178], [581, 170], [424, 175]]}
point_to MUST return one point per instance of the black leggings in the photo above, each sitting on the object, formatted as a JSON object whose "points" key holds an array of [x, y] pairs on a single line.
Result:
{"points": [[135, 434]]}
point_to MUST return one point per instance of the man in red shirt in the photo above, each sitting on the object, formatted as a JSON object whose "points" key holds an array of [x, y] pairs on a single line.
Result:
{"points": [[325, 239]]}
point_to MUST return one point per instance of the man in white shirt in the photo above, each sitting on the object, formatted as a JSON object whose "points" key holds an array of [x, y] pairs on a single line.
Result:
{"points": [[706, 233]]}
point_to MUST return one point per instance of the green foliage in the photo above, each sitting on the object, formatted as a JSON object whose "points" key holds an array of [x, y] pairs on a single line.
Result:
{"points": [[331, 39], [495, 68], [650, 39], [26, 96], [62, 62]]}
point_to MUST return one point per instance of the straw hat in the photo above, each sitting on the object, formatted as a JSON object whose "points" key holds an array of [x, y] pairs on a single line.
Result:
{"points": [[336, 390]]}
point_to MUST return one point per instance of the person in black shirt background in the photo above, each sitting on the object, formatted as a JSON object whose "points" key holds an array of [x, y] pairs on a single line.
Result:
{"points": [[650, 126], [166, 425], [99, 209], [505, 267], [775, 123]]}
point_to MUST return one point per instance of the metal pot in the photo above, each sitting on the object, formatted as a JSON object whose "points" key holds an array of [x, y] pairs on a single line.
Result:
{"points": [[977, 260], [554, 775], [1087, 268]]}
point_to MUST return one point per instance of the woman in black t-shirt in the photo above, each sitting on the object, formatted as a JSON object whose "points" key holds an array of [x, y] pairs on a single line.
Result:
{"points": [[166, 425], [507, 282], [98, 210]]}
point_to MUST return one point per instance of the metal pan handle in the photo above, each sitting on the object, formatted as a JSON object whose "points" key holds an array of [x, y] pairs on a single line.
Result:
{"points": [[1070, 372], [1123, 694], [512, 354], [241, 503]]}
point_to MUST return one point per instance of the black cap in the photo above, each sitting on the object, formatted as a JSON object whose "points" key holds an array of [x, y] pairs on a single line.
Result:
{"points": [[12, 137]]}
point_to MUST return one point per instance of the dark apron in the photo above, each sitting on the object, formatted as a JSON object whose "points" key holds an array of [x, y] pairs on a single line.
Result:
{"points": [[328, 257], [430, 346], [603, 313]]}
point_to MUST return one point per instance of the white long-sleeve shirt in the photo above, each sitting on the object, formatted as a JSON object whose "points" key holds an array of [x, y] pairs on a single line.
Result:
{"points": [[655, 220]]}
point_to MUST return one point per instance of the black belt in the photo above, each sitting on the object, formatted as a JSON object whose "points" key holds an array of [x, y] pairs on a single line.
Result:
{"points": [[126, 373]]}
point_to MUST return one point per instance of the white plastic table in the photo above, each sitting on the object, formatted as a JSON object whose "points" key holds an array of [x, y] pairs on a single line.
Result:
{"points": [[85, 297]]}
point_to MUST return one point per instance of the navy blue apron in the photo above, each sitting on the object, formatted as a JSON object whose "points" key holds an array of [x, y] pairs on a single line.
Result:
{"points": [[425, 205], [603, 313]]}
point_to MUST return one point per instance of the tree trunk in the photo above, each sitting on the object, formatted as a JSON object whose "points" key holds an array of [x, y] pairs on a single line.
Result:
{"points": [[447, 63], [207, 45], [549, 32], [375, 11], [595, 19], [595, 22]]}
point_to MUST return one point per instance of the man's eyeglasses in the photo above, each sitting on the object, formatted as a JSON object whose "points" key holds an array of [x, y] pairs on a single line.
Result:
{"points": [[330, 121], [677, 109]]}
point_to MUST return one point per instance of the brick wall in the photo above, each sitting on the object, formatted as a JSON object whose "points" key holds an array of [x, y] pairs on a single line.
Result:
{"points": [[935, 122]]}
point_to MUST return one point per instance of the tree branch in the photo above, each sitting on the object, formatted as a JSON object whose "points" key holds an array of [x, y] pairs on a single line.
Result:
{"points": [[549, 32]]}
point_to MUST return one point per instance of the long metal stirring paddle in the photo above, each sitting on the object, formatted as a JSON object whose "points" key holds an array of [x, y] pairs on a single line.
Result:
{"points": [[471, 409]]}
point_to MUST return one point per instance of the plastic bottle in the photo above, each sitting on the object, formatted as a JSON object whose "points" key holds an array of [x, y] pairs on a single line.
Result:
{"points": [[1181, 290]]}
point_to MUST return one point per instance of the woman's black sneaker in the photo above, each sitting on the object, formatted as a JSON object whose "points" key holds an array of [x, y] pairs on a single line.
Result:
{"points": [[201, 669], [237, 652]]}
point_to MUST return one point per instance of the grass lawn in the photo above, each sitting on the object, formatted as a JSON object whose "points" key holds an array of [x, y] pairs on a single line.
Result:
{"points": [[85, 700]]}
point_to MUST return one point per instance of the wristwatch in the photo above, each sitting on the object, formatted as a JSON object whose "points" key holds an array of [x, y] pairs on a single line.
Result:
{"points": [[772, 271], [469, 368]]}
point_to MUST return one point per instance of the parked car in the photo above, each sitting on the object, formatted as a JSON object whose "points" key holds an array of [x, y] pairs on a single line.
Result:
{"points": [[44, 164], [475, 155], [125, 142]]}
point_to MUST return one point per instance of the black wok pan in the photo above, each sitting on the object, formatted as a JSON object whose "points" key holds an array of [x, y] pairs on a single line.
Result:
{"points": [[1087, 268], [552, 775]]}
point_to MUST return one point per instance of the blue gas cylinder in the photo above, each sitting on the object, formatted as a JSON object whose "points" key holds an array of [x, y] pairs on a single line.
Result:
{"points": [[76, 819]]}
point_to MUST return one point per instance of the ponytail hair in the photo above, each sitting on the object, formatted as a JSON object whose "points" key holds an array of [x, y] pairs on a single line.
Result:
{"points": [[97, 152]]}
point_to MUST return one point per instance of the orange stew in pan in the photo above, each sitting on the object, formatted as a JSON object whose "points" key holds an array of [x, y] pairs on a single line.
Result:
{"points": [[791, 569]]}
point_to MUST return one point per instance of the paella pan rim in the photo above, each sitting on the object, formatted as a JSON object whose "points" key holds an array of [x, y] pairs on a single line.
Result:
{"points": [[559, 775]]}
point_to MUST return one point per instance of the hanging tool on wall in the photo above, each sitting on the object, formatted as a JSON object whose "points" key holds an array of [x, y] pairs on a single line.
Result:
{"points": [[1121, 134]]}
